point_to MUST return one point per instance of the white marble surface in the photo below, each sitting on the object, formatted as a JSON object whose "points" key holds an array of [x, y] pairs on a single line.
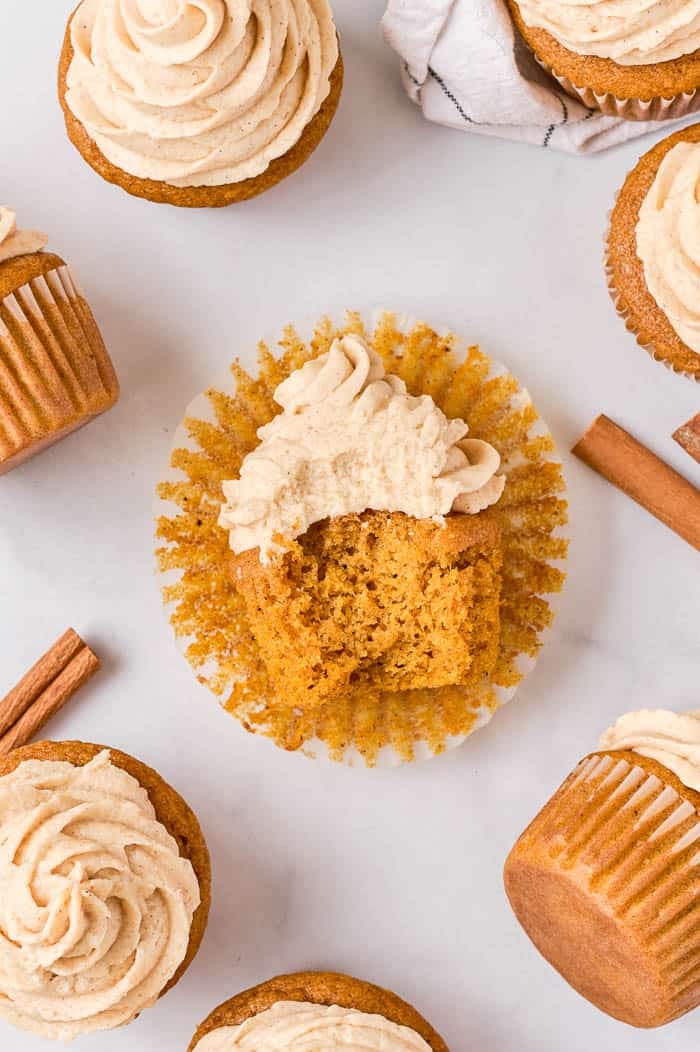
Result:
{"points": [[393, 876]]}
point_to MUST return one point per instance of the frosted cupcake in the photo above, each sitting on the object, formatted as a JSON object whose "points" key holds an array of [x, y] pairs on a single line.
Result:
{"points": [[322, 1010], [639, 59], [653, 252], [199, 104], [104, 888], [55, 373], [606, 880]]}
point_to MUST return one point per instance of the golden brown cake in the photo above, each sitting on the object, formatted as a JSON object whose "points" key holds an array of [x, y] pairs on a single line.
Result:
{"points": [[179, 192], [322, 988], [606, 880], [55, 373], [637, 91], [127, 846], [378, 600], [635, 303]]}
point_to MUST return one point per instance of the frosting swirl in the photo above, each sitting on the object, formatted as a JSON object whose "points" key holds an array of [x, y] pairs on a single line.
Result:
{"points": [[351, 438], [199, 92], [14, 242], [295, 1025], [96, 904], [630, 32], [668, 240], [667, 737]]}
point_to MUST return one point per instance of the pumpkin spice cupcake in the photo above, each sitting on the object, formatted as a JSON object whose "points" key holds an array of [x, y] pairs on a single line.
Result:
{"points": [[199, 105], [639, 60], [339, 1012], [104, 888], [386, 589], [55, 373], [653, 252], [606, 880]]}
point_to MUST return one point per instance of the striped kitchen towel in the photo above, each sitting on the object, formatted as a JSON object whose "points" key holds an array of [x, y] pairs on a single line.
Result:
{"points": [[466, 66]]}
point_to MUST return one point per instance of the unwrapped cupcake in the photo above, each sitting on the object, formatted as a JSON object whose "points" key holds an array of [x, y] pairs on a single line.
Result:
{"points": [[55, 373], [199, 104], [638, 59], [104, 888], [606, 880]]}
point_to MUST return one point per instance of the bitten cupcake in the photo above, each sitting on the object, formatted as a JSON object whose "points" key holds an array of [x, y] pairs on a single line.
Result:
{"points": [[199, 104], [319, 1010], [653, 252], [104, 888], [639, 59], [55, 373], [606, 880]]}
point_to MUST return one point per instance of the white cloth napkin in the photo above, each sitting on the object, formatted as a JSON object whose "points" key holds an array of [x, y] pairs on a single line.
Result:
{"points": [[466, 66]]}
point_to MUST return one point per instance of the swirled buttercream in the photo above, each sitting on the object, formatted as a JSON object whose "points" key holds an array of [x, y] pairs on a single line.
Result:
{"points": [[14, 242], [96, 903], [293, 1026], [199, 92], [350, 438], [630, 32], [668, 240], [667, 737]]}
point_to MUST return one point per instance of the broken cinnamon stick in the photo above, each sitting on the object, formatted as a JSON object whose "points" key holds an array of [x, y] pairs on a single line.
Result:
{"points": [[45, 689], [688, 436], [639, 473]]}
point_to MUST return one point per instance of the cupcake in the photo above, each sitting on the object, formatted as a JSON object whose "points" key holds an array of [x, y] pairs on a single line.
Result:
{"points": [[55, 374], [320, 1010], [362, 541], [606, 880], [653, 252], [199, 105], [104, 888], [639, 60]]}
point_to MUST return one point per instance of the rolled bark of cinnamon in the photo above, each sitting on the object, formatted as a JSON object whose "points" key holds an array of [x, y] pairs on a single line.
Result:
{"points": [[643, 476], [688, 436]]}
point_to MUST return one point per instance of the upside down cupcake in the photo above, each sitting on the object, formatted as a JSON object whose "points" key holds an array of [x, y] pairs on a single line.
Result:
{"points": [[363, 540], [319, 1010], [200, 103], [606, 880], [638, 59], [55, 373], [653, 252], [104, 888]]}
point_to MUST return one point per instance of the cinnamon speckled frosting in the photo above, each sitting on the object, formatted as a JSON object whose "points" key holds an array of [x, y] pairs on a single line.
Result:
{"points": [[14, 242], [295, 1026], [199, 92], [667, 737], [96, 904], [350, 438], [630, 32]]}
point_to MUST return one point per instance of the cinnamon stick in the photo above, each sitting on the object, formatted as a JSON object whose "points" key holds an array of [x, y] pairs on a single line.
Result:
{"points": [[639, 473], [688, 436], [45, 689]]}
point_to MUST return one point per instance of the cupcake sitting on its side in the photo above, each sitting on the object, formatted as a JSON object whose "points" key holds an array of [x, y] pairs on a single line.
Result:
{"points": [[55, 373], [639, 60], [199, 105], [606, 880], [333, 1011], [104, 888], [653, 251]]}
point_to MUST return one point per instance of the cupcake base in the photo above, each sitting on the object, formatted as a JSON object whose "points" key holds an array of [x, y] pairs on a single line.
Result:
{"points": [[625, 270], [605, 882], [197, 196], [322, 988], [171, 811]]}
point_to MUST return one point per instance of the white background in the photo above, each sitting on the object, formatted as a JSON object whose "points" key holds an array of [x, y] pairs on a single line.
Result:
{"points": [[394, 876]]}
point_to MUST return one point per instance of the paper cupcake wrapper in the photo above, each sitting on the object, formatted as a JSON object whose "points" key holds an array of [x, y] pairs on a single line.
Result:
{"points": [[638, 842], [626, 315], [54, 370], [476, 709]]}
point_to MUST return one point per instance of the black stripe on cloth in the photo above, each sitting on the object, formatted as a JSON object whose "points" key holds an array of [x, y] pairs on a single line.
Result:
{"points": [[553, 127], [453, 98]]}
